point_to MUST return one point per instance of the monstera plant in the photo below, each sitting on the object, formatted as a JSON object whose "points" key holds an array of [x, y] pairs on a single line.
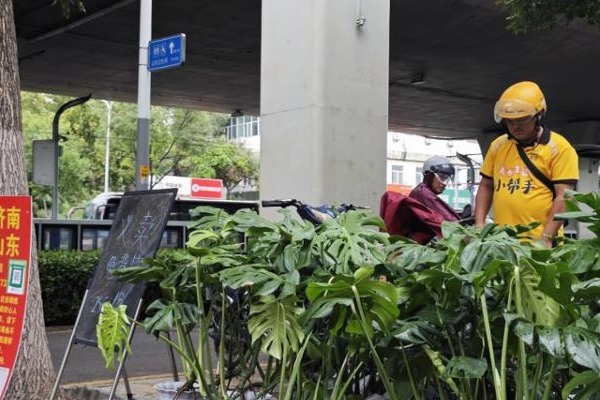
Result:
{"points": [[309, 299], [343, 310]]}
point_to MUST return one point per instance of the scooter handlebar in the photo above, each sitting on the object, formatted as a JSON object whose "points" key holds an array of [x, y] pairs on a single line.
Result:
{"points": [[279, 203]]}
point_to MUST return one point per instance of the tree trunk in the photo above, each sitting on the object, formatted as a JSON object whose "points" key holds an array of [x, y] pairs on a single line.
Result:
{"points": [[33, 376]]}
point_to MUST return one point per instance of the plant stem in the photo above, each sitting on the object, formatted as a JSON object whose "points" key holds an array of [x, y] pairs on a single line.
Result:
{"points": [[490, 344], [441, 321], [522, 391], [284, 360], [201, 356], [539, 366], [550, 379], [222, 345], [296, 369], [359, 312], [504, 351], [410, 377], [439, 388]]}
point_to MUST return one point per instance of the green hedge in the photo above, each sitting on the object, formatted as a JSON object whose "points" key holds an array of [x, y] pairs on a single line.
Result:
{"points": [[64, 275]]}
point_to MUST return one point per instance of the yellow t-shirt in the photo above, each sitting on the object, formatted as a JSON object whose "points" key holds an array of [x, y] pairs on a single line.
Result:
{"points": [[519, 197]]}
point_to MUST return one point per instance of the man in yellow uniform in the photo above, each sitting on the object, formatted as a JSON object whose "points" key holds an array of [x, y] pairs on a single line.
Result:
{"points": [[525, 172]]}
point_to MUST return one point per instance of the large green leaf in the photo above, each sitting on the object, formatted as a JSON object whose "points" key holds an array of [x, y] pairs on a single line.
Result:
{"points": [[444, 285], [164, 316], [583, 346], [465, 368], [348, 242], [581, 255], [323, 307], [208, 218], [252, 224], [258, 277], [479, 253], [223, 256], [415, 256], [524, 330], [200, 241], [378, 299], [537, 306], [587, 290], [274, 323], [286, 245], [112, 332], [154, 269], [555, 281], [591, 217], [550, 341], [497, 272], [414, 332]]}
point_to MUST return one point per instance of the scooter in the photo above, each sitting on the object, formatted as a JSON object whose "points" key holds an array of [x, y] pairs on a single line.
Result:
{"points": [[315, 215]]}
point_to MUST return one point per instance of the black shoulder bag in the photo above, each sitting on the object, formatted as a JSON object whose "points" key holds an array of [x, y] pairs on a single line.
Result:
{"points": [[535, 171]]}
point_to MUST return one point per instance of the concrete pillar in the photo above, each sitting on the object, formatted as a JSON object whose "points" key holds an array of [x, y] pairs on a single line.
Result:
{"points": [[324, 100]]}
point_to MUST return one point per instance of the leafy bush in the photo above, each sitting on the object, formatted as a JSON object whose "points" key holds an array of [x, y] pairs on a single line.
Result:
{"points": [[63, 278]]}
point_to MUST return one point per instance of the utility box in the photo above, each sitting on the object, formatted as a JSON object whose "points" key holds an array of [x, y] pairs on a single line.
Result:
{"points": [[43, 162]]}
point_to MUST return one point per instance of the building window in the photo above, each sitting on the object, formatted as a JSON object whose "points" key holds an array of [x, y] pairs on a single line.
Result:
{"points": [[397, 174], [418, 175], [242, 126]]}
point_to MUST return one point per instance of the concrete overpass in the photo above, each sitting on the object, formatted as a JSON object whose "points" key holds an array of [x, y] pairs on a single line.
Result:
{"points": [[448, 59]]}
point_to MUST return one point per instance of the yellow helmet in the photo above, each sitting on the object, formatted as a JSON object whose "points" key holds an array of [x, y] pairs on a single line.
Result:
{"points": [[523, 99]]}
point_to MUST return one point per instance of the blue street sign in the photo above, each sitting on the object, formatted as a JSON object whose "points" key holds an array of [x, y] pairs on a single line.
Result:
{"points": [[167, 52]]}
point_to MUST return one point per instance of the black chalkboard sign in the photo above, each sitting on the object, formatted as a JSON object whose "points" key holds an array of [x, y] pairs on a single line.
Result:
{"points": [[135, 234]]}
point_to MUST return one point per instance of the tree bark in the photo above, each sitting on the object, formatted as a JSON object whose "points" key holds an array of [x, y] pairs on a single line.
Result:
{"points": [[33, 375]]}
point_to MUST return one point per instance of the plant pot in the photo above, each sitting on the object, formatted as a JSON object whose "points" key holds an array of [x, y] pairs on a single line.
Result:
{"points": [[168, 390]]}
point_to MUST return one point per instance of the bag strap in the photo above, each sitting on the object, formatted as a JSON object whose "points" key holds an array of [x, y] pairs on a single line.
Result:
{"points": [[535, 171]]}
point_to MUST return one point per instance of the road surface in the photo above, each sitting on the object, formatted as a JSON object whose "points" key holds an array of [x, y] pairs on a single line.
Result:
{"points": [[84, 364]]}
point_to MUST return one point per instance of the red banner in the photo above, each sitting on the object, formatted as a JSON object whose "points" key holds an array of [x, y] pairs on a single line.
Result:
{"points": [[15, 258], [204, 187]]}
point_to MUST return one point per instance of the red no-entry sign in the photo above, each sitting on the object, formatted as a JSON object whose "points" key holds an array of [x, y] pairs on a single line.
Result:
{"points": [[204, 187]]}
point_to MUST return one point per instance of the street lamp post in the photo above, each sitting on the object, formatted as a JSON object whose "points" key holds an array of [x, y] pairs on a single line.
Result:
{"points": [[56, 138], [108, 105]]}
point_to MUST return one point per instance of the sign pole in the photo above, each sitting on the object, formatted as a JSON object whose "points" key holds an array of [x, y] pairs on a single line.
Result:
{"points": [[144, 81]]}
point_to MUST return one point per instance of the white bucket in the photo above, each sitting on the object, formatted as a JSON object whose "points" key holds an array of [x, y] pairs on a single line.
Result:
{"points": [[167, 391]]}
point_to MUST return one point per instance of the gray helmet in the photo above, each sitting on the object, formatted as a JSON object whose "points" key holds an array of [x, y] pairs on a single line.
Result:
{"points": [[439, 164]]}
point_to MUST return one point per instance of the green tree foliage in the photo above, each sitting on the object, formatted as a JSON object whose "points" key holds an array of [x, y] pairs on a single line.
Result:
{"points": [[182, 143], [228, 161], [527, 15], [180, 137]]}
